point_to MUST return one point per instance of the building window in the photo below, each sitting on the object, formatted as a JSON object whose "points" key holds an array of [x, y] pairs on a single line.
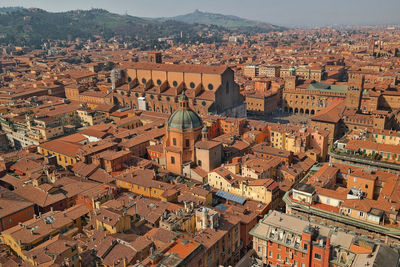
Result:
{"points": [[305, 246], [317, 256], [192, 85], [361, 214], [175, 83], [28, 213], [159, 82], [174, 141], [210, 86], [270, 254], [172, 160], [144, 81], [187, 142], [10, 221], [199, 163]]}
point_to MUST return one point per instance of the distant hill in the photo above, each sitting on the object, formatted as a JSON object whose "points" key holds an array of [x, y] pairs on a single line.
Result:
{"points": [[33, 26], [5, 10], [226, 21]]}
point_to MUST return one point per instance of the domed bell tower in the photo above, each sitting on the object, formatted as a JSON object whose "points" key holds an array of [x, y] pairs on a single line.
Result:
{"points": [[183, 130]]}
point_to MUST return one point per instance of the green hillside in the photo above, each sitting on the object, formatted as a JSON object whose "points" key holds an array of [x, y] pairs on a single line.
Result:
{"points": [[33, 26], [226, 21]]}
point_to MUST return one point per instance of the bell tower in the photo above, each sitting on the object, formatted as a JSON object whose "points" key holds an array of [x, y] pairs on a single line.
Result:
{"points": [[183, 131], [354, 92]]}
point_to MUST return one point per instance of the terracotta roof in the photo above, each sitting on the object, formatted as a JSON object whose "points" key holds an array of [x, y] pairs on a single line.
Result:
{"points": [[62, 147], [176, 67], [366, 204], [264, 148], [206, 144], [332, 113], [361, 144], [340, 193], [108, 216], [42, 228], [11, 203], [324, 176]]}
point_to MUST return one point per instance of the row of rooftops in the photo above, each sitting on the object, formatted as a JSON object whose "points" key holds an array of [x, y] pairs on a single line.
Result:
{"points": [[351, 250]]}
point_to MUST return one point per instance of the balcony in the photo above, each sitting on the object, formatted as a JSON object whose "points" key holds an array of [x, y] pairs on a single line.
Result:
{"points": [[365, 160], [311, 209]]}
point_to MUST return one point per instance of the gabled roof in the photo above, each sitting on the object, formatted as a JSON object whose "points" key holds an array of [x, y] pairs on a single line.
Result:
{"points": [[176, 68]]}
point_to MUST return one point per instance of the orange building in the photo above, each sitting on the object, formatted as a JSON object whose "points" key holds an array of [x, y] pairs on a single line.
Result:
{"points": [[156, 87], [363, 180], [13, 209], [183, 130]]}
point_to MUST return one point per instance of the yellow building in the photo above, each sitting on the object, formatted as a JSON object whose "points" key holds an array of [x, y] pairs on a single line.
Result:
{"points": [[58, 249], [44, 128], [278, 138], [387, 137], [263, 190], [112, 221], [28, 235], [141, 182], [90, 117], [221, 241], [181, 220], [66, 152]]}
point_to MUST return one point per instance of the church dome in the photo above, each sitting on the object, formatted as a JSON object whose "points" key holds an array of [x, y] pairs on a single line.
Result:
{"points": [[184, 119]]}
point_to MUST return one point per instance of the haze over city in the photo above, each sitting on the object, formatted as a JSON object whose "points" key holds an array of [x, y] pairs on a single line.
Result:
{"points": [[282, 12]]}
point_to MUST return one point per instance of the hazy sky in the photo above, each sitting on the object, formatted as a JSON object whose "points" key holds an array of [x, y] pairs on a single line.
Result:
{"points": [[281, 12]]}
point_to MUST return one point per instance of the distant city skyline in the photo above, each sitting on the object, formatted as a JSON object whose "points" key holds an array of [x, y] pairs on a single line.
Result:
{"points": [[286, 13]]}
